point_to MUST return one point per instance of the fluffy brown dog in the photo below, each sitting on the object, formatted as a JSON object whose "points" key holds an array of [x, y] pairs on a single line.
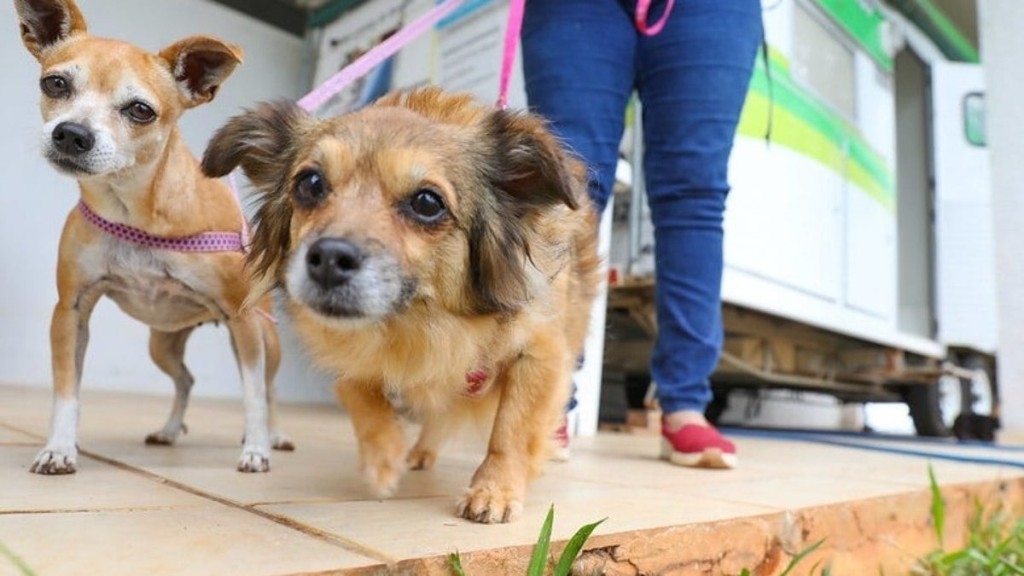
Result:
{"points": [[437, 258]]}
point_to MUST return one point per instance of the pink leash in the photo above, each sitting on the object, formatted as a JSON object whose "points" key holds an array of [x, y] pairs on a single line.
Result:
{"points": [[643, 7], [372, 58], [508, 57]]}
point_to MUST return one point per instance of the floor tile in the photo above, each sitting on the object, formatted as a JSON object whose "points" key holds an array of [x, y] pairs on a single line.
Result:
{"points": [[10, 436], [214, 541], [410, 528], [96, 486], [795, 491], [312, 473]]}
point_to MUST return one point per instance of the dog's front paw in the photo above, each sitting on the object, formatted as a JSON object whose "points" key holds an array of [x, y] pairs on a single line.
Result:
{"points": [[254, 461], [490, 504], [281, 441], [55, 461]]}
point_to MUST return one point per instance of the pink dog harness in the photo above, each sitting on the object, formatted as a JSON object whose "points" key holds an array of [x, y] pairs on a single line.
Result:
{"points": [[203, 242]]}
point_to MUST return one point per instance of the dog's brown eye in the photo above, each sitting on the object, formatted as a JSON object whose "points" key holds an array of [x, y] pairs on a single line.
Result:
{"points": [[55, 86], [427, 206], [139, 112], [309, 189]]}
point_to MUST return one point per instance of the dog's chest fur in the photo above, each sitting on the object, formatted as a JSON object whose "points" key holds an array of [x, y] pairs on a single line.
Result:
{"points": [[422, 362], [151, 285]]}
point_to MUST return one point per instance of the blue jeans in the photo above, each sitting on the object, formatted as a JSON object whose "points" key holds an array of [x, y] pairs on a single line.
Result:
{"points": [[582, 59]]}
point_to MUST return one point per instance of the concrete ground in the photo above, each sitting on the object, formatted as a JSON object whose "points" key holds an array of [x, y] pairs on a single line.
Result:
{"points": [[136, 509]]}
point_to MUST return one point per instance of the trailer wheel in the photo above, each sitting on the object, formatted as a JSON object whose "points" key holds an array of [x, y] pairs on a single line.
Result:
{"points": [[718, 405], [981, 394], [934, 407]]}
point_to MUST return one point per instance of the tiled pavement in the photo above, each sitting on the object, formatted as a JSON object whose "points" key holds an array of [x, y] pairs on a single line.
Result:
{"points": [[136, 509]]}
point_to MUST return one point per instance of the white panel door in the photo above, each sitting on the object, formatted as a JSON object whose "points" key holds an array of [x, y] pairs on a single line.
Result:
{"points": [[965, 267]]}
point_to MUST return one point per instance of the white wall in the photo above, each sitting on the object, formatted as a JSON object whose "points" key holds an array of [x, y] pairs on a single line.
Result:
{"points": [[34, 200]]}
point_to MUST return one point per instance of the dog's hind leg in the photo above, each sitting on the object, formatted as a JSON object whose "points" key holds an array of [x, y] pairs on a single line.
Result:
{"points": [[424, 452], [278, 440], [167, 349]]}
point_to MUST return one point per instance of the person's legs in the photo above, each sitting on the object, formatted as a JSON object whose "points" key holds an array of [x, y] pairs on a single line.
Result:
{"points": [[578, 65], [693, 79]]}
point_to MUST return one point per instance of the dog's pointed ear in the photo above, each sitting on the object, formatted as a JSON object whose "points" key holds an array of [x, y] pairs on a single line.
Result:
{"points": [[45, 23], [200, 64], [530, 174], [263, 142]]}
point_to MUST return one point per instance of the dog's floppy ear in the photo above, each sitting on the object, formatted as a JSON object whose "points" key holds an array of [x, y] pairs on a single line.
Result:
{"points": [[263, 142], [45, 23], [529, 173], [200, 64], [535, 171]]}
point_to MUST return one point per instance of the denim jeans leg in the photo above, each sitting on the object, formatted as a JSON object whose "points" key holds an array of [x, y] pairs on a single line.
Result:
{"points": [[578, 66], [693, 79]]}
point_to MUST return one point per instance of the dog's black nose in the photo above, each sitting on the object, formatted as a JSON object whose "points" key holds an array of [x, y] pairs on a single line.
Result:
{"points": [[73, 139], [333, 261]]}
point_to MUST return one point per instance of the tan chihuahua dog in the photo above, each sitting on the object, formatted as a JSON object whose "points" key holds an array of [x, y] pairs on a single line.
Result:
{"points": [[150, 231]]}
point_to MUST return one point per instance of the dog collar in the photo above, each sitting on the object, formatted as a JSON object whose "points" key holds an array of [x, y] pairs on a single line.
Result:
{"points": [[476, 383], [203, 242]]}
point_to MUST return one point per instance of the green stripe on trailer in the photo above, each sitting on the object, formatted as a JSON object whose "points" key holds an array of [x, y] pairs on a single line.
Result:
{"points": [[800, 122], [937, 26], [864, 24]]}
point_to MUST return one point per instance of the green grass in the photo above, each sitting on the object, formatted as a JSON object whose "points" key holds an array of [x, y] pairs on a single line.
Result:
{"points": [[995, 545], [539, 559], [796, 560], [23, 568]]}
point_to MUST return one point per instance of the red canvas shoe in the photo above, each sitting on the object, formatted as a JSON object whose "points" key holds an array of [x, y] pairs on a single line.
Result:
{"points": [[697, 446]]}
